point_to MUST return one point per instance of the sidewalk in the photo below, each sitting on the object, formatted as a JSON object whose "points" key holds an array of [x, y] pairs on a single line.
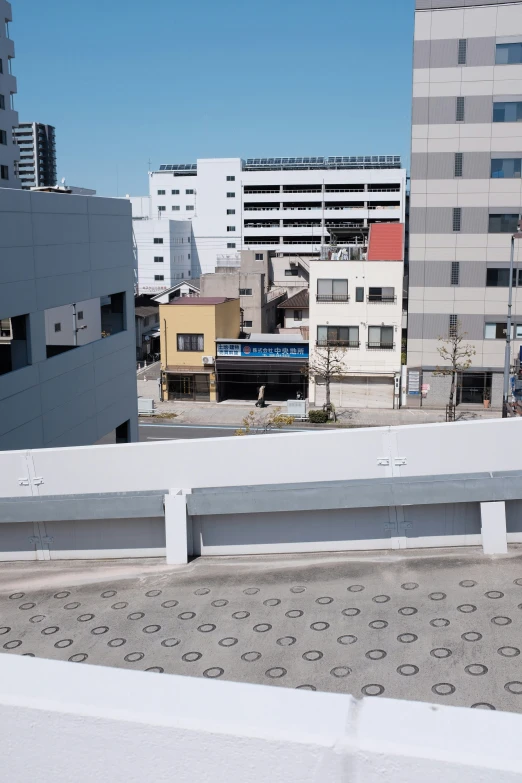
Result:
{"points": [[232, 412]]}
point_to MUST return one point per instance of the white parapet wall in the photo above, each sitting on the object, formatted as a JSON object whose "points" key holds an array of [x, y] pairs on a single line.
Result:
{"points": [[63, 722]]}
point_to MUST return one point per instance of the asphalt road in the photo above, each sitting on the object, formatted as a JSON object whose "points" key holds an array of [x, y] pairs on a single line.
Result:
{"points": [[155, 432], [149, 432]]}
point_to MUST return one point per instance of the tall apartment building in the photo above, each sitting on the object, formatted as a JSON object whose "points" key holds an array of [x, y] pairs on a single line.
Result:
{"points": [[8, 116], [37, 164], [288, 205], [466, 190]]}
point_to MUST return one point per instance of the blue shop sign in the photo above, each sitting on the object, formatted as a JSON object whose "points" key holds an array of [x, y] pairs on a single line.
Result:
{"points": [[264, 351]]}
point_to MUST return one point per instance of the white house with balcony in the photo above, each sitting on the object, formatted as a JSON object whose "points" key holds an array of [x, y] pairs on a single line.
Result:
{"points": [[291, 206], [356, 307]]}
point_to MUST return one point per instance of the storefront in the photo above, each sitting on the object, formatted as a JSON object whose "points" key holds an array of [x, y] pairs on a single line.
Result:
{"points": [[242, 366]]}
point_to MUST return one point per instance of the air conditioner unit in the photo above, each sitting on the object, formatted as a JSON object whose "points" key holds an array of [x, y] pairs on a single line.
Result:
{"points": [[208, 360]]}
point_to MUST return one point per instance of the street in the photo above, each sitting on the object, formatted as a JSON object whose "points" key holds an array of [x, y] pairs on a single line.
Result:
{"points": [[157, 432]]}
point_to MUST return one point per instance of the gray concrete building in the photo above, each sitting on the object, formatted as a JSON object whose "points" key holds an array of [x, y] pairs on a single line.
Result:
{"points": [[67, 341], [9, 152], [466, 190], [37, 165], [247, 274]]}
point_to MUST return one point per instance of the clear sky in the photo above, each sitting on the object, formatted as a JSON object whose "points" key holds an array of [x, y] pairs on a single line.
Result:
{"points": [[128, 81]]}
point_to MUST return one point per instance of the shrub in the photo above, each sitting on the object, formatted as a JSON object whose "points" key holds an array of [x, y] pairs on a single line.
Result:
{"points": [[318, 416]]}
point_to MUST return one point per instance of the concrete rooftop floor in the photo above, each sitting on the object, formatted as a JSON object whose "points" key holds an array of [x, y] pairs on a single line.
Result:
{"points": [[434, 625]]}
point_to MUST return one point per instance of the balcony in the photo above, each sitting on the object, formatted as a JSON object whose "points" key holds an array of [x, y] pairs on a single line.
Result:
{"points": [[380, 346], [332, 298], [381, 299], [338, 343]]}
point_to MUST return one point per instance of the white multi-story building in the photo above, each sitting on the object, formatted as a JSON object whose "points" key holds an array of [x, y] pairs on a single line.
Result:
{"points": [[163, 250], [356, 308], [292, 206], [466, 192], [9, 152]]}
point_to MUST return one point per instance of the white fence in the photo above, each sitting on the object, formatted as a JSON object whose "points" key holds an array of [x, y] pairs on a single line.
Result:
{"points": [[64, 722]]}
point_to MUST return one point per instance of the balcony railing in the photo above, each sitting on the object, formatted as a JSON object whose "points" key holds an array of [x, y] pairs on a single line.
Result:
{"points": [[332, 298], [338, 343], [380, 346], [381, 299]]}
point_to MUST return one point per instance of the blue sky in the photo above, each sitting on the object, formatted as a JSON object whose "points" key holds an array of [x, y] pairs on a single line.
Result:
{"points": [[126, 81]]}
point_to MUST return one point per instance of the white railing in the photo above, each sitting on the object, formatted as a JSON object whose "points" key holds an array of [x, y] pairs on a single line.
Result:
{"points": [[64, 722]]}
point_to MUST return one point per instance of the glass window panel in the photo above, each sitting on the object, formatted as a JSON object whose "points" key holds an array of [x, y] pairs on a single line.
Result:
{"points": [[322, 334], [340, 287], [354, 334], [324, 287], [387, 335], [359, 294], [374, 334]]}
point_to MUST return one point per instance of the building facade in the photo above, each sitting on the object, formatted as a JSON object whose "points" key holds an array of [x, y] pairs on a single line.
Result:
{"points": [[189, 327], [163, 253], [37, 164], [247, 275], [296, 313], [67, 358], [466, 192], [9, 152], [291, 206], [356, 323]]}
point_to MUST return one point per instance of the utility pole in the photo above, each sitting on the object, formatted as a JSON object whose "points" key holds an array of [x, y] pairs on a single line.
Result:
{"points": [[507, 357]]}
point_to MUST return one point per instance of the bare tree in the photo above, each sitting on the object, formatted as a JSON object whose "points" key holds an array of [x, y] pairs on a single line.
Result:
{"points": [[459, 356], [262, 424], [327, 364]]}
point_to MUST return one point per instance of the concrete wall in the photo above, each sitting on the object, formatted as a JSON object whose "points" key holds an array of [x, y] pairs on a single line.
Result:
{"points": [[56, 250], [121, 724]]}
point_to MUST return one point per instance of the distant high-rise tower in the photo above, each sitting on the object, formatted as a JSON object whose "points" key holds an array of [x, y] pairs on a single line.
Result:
{"points": [[8, 117], [37, 165]]}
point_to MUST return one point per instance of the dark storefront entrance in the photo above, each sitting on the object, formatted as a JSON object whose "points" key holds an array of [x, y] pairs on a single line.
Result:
{"points": [[241, 379], [473, 388], [189, 387]]}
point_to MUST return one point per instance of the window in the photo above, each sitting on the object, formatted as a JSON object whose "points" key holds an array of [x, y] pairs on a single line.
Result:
{"points": [[112, 314], [505, 168], [146, 321], [231, 195], [189, 207], [1, 65], [245, 292], [230, 178], [332, 291], [14, 346], [2, 101], [463, 51], [499, 277], [188, 255], [495, 331], [79, 315], [380, 337], [247, 324], [159, 277], [162, 209], [57, 327], [453, 325], [346, 336], [231, 228], [504, 223], [158, 259], [458, 164], [231, 211], [258, 257], [231, 245], [382, 295], [175, 192], [158, 240], [3, 137], [518, 332], [459, 111], [509, 54], [359, 294], [189, 192], [455, 272], [175, 209], [4, 172], [291, 272], [507, 111], [161, 192], [457, 218], [190, 342], [298, 315]]}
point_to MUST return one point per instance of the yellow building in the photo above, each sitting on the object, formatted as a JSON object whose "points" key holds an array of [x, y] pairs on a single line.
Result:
{"points": [[189, 327]]}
